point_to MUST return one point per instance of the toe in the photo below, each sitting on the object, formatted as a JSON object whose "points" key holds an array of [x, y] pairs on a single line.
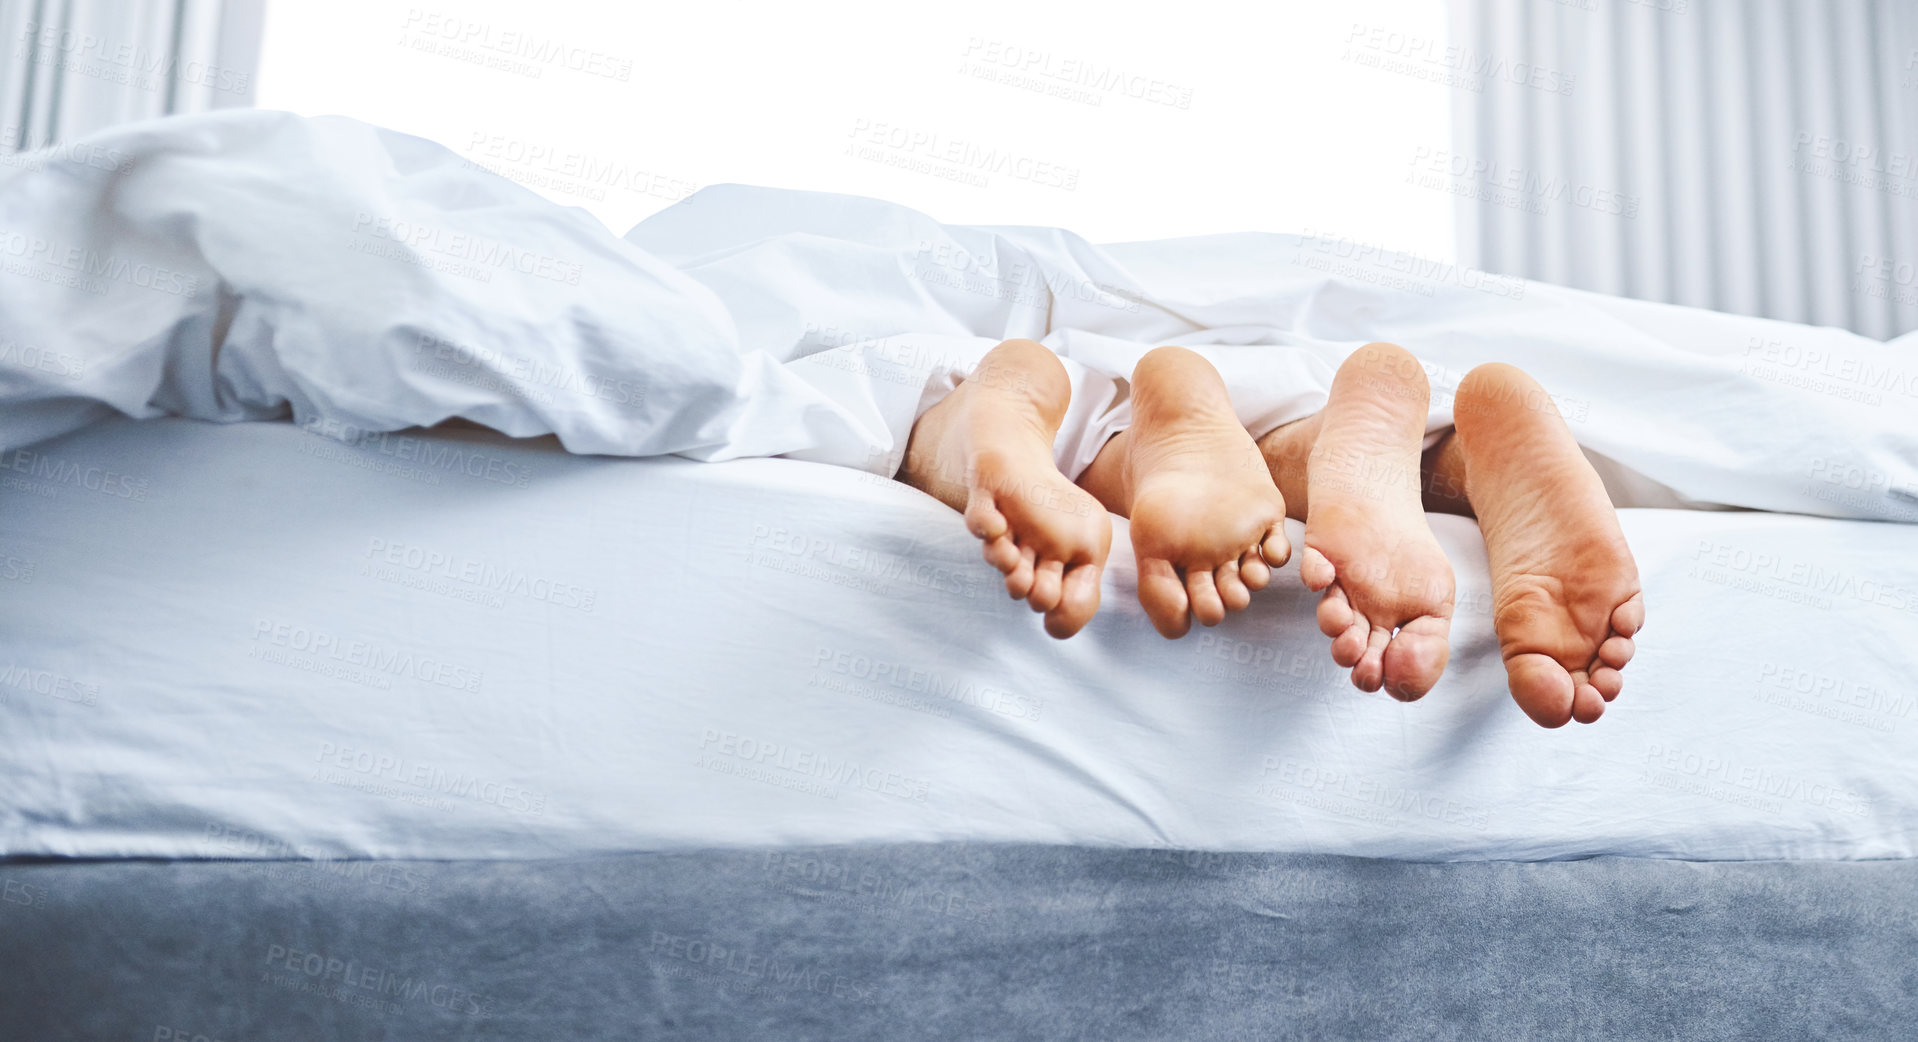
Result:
{"points": [[1078, 601], [1616, 651], [1047, 580], [1253, 571], [1163, 597], [1232, 588], [1349, 647], [1019, 580], [1417, 656], [1335, 612], [1316, 570], [983, 518], [1541, 687], [1608, 682], [1276, 549], [1369, 673], [1629, 617], [1207, 607], [1587, 704], [1002, 553]]}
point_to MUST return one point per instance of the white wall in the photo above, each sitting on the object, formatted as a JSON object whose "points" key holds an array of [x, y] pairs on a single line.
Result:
{"points": [[1254, 116]]}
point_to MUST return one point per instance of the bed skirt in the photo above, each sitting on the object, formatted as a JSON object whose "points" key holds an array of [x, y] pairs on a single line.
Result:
{"points": [[957, 941]]}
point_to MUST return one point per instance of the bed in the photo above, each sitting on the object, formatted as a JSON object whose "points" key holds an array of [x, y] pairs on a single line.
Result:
{"points": [[345, 717]]}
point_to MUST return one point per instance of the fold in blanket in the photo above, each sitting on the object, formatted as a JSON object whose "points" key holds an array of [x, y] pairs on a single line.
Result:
{"points": [[249, 265]]}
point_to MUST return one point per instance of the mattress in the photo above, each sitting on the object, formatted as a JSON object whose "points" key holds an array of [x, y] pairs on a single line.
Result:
{"points": [[252, 640]]}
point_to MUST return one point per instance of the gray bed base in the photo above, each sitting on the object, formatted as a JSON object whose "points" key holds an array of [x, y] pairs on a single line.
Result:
{"points": [[955, 942]]}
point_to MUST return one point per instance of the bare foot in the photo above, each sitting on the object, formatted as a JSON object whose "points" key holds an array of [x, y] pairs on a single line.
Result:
{"points": [[1565, 593], [986, 451], [1388, 586], [1208, 525]]}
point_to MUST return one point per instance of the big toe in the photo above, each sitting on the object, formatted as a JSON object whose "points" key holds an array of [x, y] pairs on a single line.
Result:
{"points": [[1416, 658], [1541, 687], [1078, 602], [1163, 597]]}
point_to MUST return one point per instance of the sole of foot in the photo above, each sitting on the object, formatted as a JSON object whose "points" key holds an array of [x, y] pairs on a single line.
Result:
{"points": [[1387, 586], [1208, 524], [1566, 600], [986, 451]]}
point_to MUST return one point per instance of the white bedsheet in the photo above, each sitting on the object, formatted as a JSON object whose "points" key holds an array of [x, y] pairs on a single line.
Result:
{"points": [[259, 638], [234, 640]]}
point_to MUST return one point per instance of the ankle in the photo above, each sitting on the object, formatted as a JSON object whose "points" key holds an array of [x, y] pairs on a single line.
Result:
{"points": [[1287, 450]]}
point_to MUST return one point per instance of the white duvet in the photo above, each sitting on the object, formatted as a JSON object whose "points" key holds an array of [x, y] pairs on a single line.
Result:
{"points": [[316, 638]]}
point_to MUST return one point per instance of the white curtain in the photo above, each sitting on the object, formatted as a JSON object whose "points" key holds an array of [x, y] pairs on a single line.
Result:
{"points": [[1753, 156], [71, 67]]}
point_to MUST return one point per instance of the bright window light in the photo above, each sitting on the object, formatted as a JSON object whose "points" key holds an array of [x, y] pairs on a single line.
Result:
{"points": [[1120, 122]]}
